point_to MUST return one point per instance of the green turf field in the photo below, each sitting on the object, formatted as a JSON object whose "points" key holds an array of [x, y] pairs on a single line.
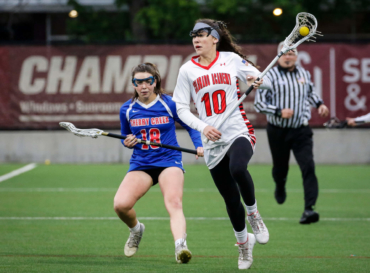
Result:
{"points": [[60, 218]]}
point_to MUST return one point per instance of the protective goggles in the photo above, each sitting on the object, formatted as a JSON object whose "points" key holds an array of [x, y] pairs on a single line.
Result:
{"points": [[137, 82], [198, 32]]}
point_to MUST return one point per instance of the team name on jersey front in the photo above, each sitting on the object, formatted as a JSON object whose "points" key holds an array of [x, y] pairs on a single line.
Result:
{"points": [[147, 121], [217, 78]]}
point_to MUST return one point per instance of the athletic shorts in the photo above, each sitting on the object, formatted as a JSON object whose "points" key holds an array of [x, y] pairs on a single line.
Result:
{"points": [[154, 173], [215, 155]]}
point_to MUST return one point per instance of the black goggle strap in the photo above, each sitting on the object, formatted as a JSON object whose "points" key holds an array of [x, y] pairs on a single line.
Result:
{"points": [[139, 81]]}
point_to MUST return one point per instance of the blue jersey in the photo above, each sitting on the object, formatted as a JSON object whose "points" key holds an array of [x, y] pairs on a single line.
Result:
{"points": [[154, 122]]}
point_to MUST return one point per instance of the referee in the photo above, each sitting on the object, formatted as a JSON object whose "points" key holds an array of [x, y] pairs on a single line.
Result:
{"points": [[287, 108]]}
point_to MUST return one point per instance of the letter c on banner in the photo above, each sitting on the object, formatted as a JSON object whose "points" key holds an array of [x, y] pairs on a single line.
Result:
{"points": [[31, 64]]}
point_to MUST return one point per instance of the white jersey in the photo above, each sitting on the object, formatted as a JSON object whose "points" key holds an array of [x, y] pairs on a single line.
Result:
{"points": [[213, 89], [363, 119]]}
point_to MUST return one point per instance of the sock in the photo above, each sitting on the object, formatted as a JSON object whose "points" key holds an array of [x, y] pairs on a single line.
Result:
{"points": [[241, 236], [136, 228], [251, 209], [179, 241]]}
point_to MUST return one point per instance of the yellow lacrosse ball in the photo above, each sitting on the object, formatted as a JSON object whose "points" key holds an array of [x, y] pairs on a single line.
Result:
{"points": [[304, 31]]}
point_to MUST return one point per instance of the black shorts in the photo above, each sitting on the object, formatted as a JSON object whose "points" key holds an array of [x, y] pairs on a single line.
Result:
{"points": [[154, 173]]}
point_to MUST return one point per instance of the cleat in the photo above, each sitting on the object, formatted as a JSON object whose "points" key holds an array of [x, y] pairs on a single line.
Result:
{"points": [[133, 241], [259, 228], [309, 216], [245, 252], [280, 194], [182, 253]]}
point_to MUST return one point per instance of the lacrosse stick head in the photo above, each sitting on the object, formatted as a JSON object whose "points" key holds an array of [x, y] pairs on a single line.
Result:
{"points": [[335, 123], [94, 133], [295, 38]]}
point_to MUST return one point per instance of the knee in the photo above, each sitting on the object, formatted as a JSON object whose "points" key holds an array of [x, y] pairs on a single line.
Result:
{"points": [[121, 206], [238, 172], [174, 203]]}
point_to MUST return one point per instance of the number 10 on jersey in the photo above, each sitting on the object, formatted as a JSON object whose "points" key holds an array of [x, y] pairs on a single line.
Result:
{"points": [[218, 102]]}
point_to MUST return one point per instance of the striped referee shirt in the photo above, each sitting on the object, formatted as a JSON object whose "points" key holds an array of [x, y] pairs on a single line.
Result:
{"points": [[291, 89]]}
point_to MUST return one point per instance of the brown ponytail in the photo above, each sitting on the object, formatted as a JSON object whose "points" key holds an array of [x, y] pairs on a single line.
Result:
{"points": [[151, 69]]}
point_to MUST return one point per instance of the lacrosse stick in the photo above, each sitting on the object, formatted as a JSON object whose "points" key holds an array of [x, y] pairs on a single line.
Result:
{"points": [[291, 42], [339, 124], [94, 133]]}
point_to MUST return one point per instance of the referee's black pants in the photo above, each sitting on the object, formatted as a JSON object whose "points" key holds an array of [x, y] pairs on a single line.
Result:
{"points": [[299, 140]]}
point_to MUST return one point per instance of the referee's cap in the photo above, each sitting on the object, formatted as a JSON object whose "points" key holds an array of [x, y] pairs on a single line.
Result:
{"points": [[280, 46]]}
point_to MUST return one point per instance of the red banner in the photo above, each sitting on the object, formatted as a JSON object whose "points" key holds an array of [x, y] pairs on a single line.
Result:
{"points": [[86, 85]]}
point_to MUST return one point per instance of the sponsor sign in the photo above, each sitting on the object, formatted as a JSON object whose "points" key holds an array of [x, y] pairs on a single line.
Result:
{"points": [[86, 85]]}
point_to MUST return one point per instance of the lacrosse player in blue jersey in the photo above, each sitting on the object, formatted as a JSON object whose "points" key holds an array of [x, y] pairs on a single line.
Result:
{"points": [[151, 115]]}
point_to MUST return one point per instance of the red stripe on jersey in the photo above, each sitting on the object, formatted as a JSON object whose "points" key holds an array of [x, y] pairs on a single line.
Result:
{"points": [[202, 66], [242, 112]]}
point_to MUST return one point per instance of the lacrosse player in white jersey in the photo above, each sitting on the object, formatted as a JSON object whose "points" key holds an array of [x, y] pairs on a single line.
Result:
{"points": [[359, 120], [211, 80]]}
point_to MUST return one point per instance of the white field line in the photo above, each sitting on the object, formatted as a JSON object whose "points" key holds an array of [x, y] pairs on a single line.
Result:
{"points": [[167, 218], [18, 172], [158, 190]]}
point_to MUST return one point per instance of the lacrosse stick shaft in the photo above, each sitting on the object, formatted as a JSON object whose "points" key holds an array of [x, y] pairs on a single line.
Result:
{"points": [[153, 143], [360, 122], [94, 133]]}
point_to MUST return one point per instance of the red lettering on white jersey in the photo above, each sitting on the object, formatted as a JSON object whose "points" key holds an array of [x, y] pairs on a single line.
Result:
{"points": [[221, 78], [201, 82]]}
